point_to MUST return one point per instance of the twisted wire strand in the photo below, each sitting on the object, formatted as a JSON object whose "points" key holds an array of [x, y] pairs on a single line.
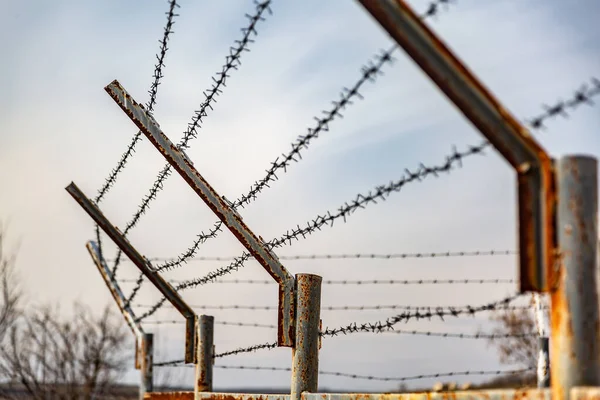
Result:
{"points": [[485, 336], [157, 75], [376, 327], [440, 312], [462, 309], [369, 73], [232, 62], [226, 323], [330, 308], [388, 256], [364, 377], [364, 282], [327, 219], [581, 96]]}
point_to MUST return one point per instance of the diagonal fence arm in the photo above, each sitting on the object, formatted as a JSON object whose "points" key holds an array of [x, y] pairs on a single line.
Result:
{"points": [[145, 267], [259, 250], [119, 297], [536, 187]]}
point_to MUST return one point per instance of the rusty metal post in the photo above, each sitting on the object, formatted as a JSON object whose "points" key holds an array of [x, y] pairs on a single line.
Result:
{"points": [[305, 353], [575, 324], [204, 350], [147, 384]]}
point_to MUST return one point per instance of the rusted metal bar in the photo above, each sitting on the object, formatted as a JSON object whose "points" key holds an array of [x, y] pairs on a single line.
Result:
{"points": [[147, 384], [575, 322], [305, 354], [144, 266], [119, 297], [585, 393], [143, 341], [495, 394], [255, 245], [205, 348], [536, 189]]}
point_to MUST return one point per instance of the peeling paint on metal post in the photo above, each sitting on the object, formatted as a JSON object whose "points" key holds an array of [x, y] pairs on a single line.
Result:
{"points": [[205, 348], [255, 246], [575, 323], [533, 166], [147, 384], [143, 265], [305, 354]]}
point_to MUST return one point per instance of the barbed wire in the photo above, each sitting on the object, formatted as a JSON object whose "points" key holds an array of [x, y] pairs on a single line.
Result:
{"points": [[486, 336], [158, 75], [480, 335], [383, 256], [440, 312], [250, 349], [381, 378], [373, 327], [582, 96], [364, 377], [227, 323], [232, 62], [327, 219], [369, 73], [380, 192], [363, 282], [343, 308]]}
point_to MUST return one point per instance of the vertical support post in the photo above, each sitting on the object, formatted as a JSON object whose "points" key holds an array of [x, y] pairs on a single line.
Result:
{"points": [[574, 318], [204, 350], [147, 384], [305, 353]]}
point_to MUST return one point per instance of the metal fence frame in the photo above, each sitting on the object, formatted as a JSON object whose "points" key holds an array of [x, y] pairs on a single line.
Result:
{"points": [[557, 224]]}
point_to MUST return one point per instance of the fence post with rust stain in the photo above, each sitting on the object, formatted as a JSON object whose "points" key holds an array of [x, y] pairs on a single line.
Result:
{"points": [[204, 351], [147, 384], [575, 347], [305, 353]]}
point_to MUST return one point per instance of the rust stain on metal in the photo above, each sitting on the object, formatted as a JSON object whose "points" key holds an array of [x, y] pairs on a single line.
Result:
{"points": [[214, 201], [509, 137], [140, 261], [169, 396]]}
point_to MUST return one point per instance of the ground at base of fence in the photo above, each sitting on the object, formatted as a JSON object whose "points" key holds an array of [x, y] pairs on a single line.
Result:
{"points": [[578, 393]]}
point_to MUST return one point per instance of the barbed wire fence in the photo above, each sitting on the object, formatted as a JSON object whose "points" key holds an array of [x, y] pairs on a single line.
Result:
{"points": [[280, 165]]}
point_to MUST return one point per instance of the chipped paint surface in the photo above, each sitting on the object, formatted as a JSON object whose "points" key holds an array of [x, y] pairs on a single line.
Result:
{"points": [[259, 250], [536, 189]]}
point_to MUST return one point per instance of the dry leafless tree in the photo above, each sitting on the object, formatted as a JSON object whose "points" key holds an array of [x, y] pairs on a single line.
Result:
{"points": [[46, 357], [9, 287]]}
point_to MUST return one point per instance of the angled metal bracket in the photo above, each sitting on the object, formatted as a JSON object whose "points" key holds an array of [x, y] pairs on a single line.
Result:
{"points": [[119, 297], [180, 162], [534, 168], [144, 266]]}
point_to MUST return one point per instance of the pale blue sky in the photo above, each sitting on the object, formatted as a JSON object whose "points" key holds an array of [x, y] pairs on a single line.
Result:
{"points": [[57, 125]]}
